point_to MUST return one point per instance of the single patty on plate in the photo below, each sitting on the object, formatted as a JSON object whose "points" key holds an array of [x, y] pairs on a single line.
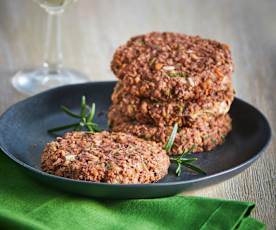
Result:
{"points": [[184, 113], [202, 136], [166, 66], [111, 157]]}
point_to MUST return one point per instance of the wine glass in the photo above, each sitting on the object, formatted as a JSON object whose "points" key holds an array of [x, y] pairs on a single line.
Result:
{"points": [[52, 73]]}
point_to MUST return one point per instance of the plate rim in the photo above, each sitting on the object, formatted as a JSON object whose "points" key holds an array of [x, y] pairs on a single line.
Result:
{"points": [[240, 167]]}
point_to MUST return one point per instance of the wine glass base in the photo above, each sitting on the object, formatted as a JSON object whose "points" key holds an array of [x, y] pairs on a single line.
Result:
{"points": [[37, 80]]}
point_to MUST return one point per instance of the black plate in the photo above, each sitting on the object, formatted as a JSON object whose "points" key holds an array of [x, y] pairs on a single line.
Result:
{"points": [[24, 127]]}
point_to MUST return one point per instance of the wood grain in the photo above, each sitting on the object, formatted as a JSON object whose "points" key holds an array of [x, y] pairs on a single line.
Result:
{"points": [[93, 29]]}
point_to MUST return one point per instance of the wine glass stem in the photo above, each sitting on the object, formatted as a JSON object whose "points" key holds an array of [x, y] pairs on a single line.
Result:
{"points": [[53, 57]]}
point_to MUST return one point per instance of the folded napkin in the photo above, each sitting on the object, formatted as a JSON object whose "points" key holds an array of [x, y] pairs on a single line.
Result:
{"points": [[26, 204]]}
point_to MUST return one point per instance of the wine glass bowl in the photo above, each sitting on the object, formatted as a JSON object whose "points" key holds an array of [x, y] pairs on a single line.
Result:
{"points": [[33, 81], [54, 6]]}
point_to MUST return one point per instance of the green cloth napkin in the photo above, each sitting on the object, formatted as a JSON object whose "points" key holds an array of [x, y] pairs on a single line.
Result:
{"points": [[26, 204]]}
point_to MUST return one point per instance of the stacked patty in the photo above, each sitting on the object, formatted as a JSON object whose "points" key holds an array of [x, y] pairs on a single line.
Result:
{"points": [[168, 78]]}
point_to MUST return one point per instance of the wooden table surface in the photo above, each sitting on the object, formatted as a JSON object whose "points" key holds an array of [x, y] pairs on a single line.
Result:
{"points": [[93, 29]]}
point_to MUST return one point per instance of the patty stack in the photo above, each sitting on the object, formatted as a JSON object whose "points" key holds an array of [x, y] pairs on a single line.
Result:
{"points": [[168, 78]]}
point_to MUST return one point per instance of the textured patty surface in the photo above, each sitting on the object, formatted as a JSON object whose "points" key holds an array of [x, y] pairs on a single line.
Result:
{"points": [[105, 157], [166, 66], [161, 113], [202, 136]]}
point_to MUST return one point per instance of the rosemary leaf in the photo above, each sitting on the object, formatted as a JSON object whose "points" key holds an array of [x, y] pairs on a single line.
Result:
{"points": [[96, 128], [92, 113], [184, 160], [170, 141], [177, 74], [194, 168], [83, 107], [90, 128], [77, 128], [62, 127], [69, 112], [178, 170]]}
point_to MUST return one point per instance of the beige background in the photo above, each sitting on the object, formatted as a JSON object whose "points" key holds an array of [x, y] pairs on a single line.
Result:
{"points": [[93, 29]]}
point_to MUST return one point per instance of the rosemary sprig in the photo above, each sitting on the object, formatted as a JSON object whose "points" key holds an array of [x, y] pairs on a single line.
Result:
{"points": [[85, 117], [184, 159]]}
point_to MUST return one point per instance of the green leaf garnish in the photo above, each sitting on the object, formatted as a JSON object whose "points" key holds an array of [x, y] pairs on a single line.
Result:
{"points": [[85, 117], [83, 107], [177, 74], [70, 113], [170, 142], [63, 127], [92, 113], [195, 168], [184, 159]]}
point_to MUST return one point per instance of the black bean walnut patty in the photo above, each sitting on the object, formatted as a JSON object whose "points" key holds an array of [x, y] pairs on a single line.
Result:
{"points": [[105, 157], [184, 113], [202, 136], [165, 66]]}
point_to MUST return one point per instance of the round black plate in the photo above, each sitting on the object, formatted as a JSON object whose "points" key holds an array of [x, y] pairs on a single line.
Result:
{"points": [[24, 126]]}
